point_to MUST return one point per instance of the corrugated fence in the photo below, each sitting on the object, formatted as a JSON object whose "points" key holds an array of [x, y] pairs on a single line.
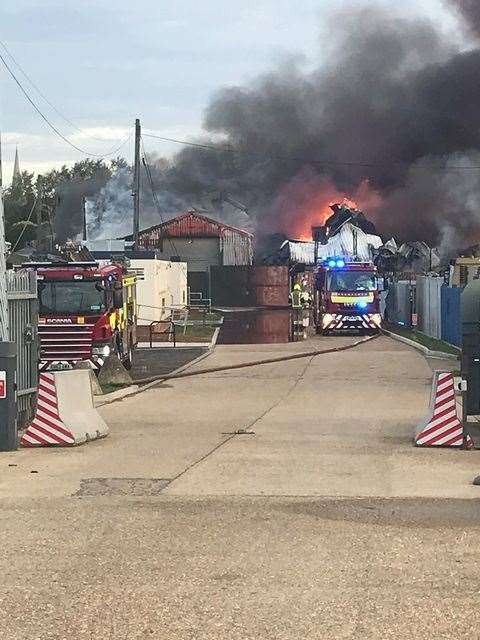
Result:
{"points": [[23, 325], [435, 307], [399, 303], [429, 306], [451, 315]]}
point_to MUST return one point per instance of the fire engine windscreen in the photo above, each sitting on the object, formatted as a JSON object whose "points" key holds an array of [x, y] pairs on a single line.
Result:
{"points": [[83, 298], [351, 281]]}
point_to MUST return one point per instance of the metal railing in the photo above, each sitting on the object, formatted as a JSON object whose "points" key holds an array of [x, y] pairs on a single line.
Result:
{"points": [[197, 301], [162, 327], [23, 330]]}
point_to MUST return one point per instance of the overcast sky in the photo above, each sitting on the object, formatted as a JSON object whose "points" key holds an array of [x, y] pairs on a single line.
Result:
{"points": [[103, 63]]}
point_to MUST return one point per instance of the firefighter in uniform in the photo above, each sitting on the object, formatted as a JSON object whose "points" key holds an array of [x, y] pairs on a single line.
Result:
{"points": [[297, 315]]}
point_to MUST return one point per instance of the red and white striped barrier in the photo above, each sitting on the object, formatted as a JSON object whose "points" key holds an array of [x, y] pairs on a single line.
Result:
{"points": [[65, 414], [442, 428]]}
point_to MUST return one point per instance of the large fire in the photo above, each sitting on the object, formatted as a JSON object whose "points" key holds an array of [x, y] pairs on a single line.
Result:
{"points": [[305, 203]]}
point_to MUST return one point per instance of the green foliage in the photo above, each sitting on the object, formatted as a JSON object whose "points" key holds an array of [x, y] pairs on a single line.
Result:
{"points": [[19, 199], [20, 196]]}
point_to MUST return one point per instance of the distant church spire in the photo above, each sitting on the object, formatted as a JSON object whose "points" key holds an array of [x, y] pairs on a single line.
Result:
{"points": [[16, 166]]}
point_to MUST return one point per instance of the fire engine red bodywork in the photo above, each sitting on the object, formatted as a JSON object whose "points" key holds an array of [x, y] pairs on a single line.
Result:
{"points": [[341, 310], [72, 337]]}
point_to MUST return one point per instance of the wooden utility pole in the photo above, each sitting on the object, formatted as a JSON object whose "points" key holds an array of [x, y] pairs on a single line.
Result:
{"points": [[136, 184], [84, 218]]}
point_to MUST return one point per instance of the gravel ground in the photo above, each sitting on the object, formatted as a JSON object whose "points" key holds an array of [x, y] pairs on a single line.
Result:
{"points": [[322, 523], [109, 568]]}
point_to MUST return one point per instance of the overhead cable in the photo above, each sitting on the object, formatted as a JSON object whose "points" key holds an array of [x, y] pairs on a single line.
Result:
{"points": [[52, 126], [318, 161]]}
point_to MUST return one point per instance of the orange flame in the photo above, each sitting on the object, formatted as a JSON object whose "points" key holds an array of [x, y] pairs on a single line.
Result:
{"points": [[305, 203]]}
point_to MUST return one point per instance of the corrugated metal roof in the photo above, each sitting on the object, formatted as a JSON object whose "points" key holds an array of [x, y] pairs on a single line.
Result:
{"points": [[301, 252], [191, 225], [341, 244]]}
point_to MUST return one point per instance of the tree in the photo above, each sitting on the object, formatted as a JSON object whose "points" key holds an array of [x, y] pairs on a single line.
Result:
{"points": [[20, 196], [19, 200]]}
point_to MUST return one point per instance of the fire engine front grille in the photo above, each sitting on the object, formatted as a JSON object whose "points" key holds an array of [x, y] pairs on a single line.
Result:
{"points": [[65, 342]]}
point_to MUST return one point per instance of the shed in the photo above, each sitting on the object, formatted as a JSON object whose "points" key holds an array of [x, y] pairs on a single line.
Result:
{"points": [[199, 241]]}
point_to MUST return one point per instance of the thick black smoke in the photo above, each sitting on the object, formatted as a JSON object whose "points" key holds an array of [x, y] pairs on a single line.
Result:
{"points": [[392, 101], [470, 9]]}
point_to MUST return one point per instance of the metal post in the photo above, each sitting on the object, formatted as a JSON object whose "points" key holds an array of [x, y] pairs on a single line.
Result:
{"points": [[38, 213], [8, 397], [464, 412], [4, 334], [1, 170], [136, 184], [84, 213]]}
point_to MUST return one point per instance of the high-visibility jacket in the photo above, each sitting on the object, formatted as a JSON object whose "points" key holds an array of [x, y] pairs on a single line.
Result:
{"points": [[296, 299]]}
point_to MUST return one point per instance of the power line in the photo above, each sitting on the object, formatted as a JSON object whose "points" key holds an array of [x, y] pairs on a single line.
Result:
{"points": [[263, 154], [41, 94], [155, 198], [25, 224], [52, 126]]}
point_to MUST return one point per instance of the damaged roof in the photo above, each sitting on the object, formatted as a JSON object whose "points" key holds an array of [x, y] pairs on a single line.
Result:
{"points": [[340, 244], [191, 224]]}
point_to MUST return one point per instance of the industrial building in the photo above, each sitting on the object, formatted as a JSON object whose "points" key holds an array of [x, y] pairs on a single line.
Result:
{"points": [[199, 241]]}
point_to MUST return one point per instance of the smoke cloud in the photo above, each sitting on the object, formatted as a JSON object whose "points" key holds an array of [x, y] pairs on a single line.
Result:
{"points": [[470, 10], [110, 209], [388, 116]]}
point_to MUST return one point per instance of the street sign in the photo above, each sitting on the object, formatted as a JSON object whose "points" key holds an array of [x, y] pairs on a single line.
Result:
{"points": [[3, 384]]}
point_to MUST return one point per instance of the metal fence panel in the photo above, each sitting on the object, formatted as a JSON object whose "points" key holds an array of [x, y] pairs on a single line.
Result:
{"points": [[23, 328], [451, 315], [399, 304], [429, 306]]}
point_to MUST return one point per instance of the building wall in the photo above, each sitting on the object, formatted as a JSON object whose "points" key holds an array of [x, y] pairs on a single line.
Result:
{"points": [[464, 271], [198, 253], [164, 286]]}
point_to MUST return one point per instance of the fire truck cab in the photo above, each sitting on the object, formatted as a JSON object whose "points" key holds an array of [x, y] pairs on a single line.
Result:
{"points": [[346, 297], [86, 312]]}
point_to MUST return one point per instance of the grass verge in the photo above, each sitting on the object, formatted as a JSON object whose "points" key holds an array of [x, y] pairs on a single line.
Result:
{"points": [[109, 388], [430, 343]]}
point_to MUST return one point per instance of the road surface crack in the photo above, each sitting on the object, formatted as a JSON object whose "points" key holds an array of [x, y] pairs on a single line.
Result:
{"points": [[245, 430]]}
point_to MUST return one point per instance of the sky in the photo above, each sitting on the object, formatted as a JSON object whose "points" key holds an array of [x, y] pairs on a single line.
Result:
{"points": [[102, 64]]}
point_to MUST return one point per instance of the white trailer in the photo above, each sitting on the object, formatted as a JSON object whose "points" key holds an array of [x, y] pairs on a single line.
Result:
{"points": [[162, 289]]}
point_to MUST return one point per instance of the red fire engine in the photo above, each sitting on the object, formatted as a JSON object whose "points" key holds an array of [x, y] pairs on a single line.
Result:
{"points": [[346, 296], [86, 312]]}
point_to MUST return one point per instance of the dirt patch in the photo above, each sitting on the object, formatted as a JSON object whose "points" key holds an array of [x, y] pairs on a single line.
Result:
{"points": [[121, 487]]}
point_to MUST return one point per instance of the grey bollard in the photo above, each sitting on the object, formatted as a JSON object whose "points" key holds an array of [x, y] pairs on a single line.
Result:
{"points": [[8, 397]]}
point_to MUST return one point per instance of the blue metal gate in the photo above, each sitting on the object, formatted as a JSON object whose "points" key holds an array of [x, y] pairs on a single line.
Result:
{"points": [[451, 315]]}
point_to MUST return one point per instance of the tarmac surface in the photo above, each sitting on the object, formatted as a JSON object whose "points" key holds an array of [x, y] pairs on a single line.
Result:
{"points": [[318, 520], [162, 360]]}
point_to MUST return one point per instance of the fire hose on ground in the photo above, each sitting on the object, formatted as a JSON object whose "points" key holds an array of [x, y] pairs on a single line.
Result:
{"points": [[254, 363]]}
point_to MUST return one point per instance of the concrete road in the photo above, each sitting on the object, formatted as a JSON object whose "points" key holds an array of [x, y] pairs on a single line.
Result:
{"points": [[323, 522]]}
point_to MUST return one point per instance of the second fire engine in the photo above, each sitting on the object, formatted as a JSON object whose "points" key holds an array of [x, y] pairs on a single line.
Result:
{"points": [[346, 297]]}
